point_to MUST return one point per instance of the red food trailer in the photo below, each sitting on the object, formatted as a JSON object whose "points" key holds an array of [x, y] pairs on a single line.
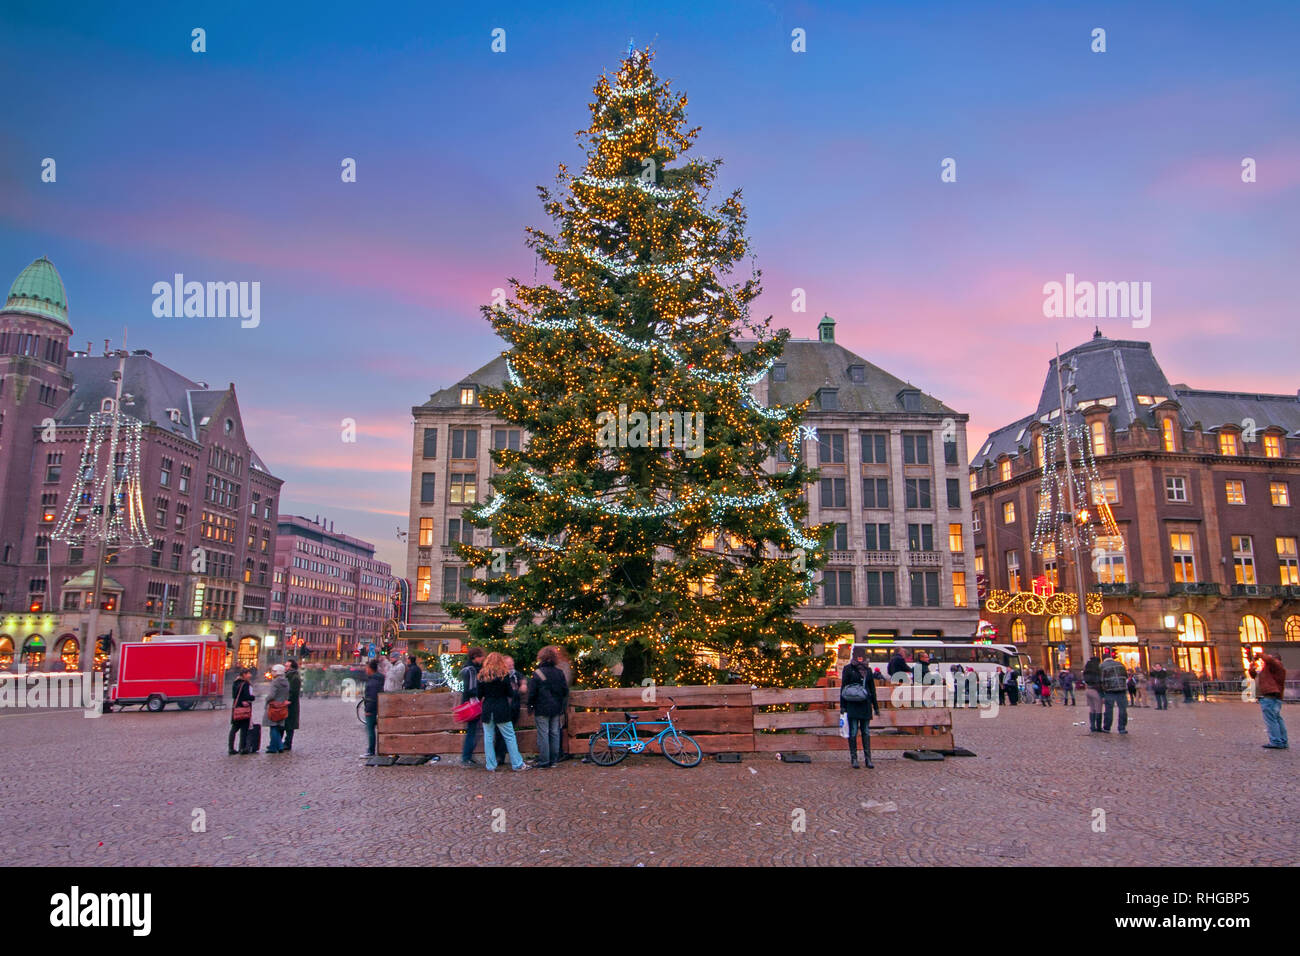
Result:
{"points": [[183, 668]]}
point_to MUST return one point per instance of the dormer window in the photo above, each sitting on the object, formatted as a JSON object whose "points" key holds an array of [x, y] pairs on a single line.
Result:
{"points": [[467, 394], [174, 415], [910, 399], [828, 399], [858, 374], [106, 406], [778, 372]]}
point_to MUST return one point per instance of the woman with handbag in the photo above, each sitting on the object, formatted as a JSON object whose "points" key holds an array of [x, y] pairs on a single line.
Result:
{"points": [[468, 712], [277, 709], [857, 701], [241, 711], [496, 690]]}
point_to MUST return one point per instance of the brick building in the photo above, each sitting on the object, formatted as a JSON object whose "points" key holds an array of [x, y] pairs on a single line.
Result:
{"points": [[1201, 484], [209, 499], [331, 598], [893, 474]]}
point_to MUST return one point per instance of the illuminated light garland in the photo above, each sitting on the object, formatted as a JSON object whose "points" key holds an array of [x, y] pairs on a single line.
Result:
{"points": [[127, 524], [649, 188], [617, 134], [1051, 520], [622, 91], [448, 668]]}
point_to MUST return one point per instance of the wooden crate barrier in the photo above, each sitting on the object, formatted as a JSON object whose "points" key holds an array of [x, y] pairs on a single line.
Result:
{"points": [[728, 718]]}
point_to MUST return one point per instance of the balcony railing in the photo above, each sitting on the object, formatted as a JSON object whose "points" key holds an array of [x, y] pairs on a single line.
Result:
{"points": [[880, 558], [1252, 590], [1119, 589], [841, 557], [1201, 588], [1289, 591], [925, 559]]}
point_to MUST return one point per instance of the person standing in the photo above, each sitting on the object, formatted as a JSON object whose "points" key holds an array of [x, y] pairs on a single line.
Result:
{"points": [[898, 664], [858, 701], [1114, 689], [1002, 689], [394, 679], [413, 674], [277, 709], [497, 691], [1092, 692], [1067, 688], [241, 711], [1160, 687], [295, 696], [1012, 684], [1189, 686], [370, 707], [548, 698], [566, 668], [1132, 686], [468, 686], [1270, 677]]}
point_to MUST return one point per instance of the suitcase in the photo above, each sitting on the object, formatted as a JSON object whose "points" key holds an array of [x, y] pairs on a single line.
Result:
{"points": [[255, 738]]}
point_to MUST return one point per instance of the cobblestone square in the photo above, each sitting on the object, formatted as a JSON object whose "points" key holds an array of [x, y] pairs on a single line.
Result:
{"points": [[1188, 786]]}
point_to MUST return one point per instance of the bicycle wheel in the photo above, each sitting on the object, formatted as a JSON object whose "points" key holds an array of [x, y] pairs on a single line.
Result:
{"points": [[681, 749], [602, 752], [361, 713]]}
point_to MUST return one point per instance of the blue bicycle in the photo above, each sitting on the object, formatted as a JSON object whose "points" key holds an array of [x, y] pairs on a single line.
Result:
{"points": [[613, 742]]}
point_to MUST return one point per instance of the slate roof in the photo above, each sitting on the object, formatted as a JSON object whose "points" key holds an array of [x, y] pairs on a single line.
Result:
{"points": [[1125, 369], [810, 365]]}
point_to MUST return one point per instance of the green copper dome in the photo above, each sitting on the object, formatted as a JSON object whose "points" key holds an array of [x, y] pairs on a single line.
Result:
{"points": [[38, 290]]}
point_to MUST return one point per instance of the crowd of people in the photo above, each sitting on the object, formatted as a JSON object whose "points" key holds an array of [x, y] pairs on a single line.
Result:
{"points": [[279, 711]]}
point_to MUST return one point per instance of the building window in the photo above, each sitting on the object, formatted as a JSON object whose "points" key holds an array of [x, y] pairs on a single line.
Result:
{"points": [[1106, 490], [1288, 561], [1291, 630], [1008, 512], [959, 589], [426, 533], [916, 492], [1279, 493], [1108, 556], [1252, 630], [1175, 489], [1168, 435], [955, 538], [184, 486], [778, 372], [858, 374], [464, 488], [950, 452], [976, 522], [974, 481], [925, 588], [876, 537], [840, 540], [1040, 448], [1049, 565], [467, 395], [505, 439], [455, 584], [1227, 443], [1098, 429], [1013, 571], [1272, 446], [875, 492], [837, 588], [165, 473], [430, 443], [1018, 633], [459, 532], [828, 400], [423, 582], [881, 589], [833, 493], [830, 448], [979, 562], [916, 448], [954, 494], [1236, 492], [464, 443], [1243, 559], [920, 537], [1004, 470], [428, 483], [1181, 547]]}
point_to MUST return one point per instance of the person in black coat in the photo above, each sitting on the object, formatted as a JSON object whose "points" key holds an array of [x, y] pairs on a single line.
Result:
{"points": [[295, 699], [374, 687], [858, 712], [548, 696], [240, 693], [898, 664], [413, 674], [496, 688]]}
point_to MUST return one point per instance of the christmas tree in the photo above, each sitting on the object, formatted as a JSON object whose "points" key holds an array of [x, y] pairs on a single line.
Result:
{"points": [[638, 525]]}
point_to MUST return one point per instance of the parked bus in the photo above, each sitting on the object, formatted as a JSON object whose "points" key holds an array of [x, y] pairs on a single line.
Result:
{"points": [[984, 659]]}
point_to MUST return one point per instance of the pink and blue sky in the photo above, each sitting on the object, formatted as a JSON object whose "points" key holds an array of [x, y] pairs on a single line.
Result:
{"points": [[1123, 165]]}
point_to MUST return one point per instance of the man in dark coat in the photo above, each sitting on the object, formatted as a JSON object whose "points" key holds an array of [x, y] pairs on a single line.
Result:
{"points": [[858, 712], [898, 664], [295, 692], [468, 682], [413, 674], [374, 687]]}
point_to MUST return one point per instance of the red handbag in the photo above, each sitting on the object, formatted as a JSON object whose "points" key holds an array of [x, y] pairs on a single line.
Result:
{"points": [[470, 710]]}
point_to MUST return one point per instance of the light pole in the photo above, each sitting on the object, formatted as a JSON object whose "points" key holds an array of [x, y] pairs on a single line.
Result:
{"points": [[1075, 515], [91, 643]]}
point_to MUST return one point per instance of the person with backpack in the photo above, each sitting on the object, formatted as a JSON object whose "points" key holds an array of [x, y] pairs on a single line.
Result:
{"points": [[241, 711], [1092, 691], [857, 702], [497, 690], [468, 685], [1066, 680], [1114, 690], [548, 698]]}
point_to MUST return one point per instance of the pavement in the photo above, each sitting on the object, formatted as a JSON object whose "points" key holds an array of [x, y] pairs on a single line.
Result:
{"points": [[1191, 785]]}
